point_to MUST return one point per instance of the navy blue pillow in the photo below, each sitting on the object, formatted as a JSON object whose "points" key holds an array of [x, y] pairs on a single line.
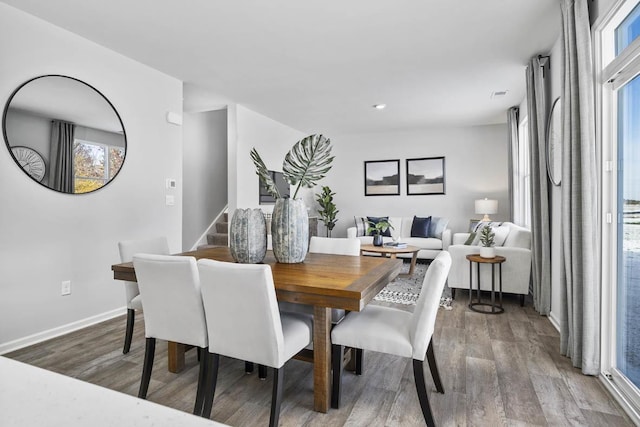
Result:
{"points": [[420, 226], [377, 219]]}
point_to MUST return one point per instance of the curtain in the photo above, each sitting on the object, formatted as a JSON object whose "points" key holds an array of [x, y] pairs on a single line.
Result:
{"points": [[540, 224], [580, 333], [512, 127], [61, 167]]}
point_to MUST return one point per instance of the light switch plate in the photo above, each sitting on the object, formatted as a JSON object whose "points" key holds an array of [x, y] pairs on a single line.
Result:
{"points": [[170, 200]]}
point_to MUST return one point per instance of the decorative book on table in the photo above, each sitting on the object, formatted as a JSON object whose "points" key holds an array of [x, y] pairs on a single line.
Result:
{"points": [[397, 245]]}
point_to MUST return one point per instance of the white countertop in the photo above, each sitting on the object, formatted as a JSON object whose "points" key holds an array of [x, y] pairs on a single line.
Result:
{"points": [[31, 396]]}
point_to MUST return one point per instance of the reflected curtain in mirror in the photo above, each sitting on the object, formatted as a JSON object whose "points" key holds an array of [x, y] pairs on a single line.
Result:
{"points": [[62, 137]]}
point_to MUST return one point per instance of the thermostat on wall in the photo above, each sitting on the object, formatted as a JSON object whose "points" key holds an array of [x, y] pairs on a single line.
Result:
{"points": [[171, 183]]}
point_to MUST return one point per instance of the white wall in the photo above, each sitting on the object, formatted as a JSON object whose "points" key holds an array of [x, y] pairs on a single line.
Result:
{"points": [[272, 140], [475, 167], [47, 237], [205, 172]]}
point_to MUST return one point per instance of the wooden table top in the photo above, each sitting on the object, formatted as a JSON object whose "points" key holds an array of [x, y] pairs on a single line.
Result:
{"points": [[336, 281], [389, 249], [477, 258]]}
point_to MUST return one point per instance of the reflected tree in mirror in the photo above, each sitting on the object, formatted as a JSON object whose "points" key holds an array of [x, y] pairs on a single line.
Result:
{"points": [[71, 127]]}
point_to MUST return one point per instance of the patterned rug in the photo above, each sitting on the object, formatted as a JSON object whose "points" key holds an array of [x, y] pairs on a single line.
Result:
{"points": [[406, 290]]}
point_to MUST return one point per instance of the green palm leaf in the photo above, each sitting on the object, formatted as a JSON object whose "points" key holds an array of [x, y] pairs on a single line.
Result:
{"points": [[307, 162], [263, 173]]}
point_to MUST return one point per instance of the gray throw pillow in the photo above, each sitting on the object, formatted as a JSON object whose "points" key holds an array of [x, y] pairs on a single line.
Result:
{"points": [[437, 227]]}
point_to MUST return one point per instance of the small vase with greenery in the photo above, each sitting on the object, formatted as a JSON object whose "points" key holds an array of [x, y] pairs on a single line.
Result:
{"points": [[376, 229], [487, 241], [305, 164], [328, 209]]}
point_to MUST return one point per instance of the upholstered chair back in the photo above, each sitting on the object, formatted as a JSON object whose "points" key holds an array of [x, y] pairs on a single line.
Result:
{"points": [[129, 248], [242, 312], [337, 246], [170, 291], [424, 315]]}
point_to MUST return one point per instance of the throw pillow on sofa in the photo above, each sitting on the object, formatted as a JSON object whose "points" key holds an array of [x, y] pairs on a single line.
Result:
{"points": [[420, 226], [377, 219], [500, 234], [437, 227], [361, 225]]}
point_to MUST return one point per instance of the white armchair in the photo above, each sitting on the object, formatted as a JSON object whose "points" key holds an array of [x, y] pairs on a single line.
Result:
{"points": [[516, 270]]}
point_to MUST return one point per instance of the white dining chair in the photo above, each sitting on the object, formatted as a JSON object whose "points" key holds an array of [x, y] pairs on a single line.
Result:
{"points": [[244, 322], [397, 332], [173, 311], [127, 249]]}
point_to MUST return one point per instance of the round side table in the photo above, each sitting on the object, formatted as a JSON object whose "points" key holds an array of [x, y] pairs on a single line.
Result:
{"points": [[475, 305]]}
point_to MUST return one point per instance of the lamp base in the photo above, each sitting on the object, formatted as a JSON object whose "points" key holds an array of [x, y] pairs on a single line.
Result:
{"points": [[485, 218]]}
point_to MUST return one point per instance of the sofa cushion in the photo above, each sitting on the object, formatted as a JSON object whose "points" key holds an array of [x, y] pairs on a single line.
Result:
{"points": [[377, 219], [437, 227], [470, 239], [420, 226], [518, 238], [422, 243], [500, 234]]}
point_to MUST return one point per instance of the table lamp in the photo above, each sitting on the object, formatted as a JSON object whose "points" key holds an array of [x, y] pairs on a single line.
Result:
{"points": [[486, 207]]}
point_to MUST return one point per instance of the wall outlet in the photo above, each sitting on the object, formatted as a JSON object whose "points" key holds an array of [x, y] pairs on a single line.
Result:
{"points": [[66, 288]]}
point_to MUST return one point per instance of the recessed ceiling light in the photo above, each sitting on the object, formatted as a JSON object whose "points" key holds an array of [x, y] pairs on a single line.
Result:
{"points": [[379, 106], [498, 93]]}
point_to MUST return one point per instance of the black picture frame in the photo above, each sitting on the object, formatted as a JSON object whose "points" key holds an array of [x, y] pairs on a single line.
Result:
{"points": [[382, 177], [425, 176]]}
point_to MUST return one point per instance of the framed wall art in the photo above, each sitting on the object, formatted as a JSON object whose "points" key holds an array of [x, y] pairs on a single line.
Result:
{"points": [[425, 176], [382, 178]]}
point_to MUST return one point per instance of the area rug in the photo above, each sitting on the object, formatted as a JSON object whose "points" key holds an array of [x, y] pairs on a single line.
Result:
{"points": [[406, 290]]}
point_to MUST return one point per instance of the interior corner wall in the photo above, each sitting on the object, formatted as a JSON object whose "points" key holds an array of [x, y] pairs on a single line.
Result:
{"points": [[272, 140], [476, 166], [205, 172], [49, 237]]}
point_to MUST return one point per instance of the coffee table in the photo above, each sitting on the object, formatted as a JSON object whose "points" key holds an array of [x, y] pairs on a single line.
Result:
{"points": [[392, 252]]}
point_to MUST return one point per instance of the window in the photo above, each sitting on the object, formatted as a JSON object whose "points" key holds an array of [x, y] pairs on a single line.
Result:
{"points": [[522, 175], [94, 164], [628, 30]]}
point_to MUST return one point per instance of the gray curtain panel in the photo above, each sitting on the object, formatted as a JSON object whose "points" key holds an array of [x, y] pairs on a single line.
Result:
{"points": [[540, 225], [61, 167], [512, 127], [580, 319]]}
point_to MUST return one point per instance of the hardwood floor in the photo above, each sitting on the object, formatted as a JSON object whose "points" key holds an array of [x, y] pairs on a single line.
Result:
{"points": [[496, 370]]}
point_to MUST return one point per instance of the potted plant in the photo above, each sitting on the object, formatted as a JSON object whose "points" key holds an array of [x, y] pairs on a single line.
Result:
{"points": [[305, 164], [486, 239], [328, 209], [376, 229]]}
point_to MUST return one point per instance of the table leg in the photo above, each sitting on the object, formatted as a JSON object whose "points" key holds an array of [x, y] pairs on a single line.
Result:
{"points": [[493, 288], [321, 358], [412, 266], [176, 356], [470, 282]]}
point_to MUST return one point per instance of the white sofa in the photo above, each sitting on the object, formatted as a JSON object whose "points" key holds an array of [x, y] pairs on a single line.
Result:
{"points": [[430, 247], [516, 270]]}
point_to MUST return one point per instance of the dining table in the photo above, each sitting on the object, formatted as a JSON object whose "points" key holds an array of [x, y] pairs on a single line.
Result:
{"points": [[323, 281]]}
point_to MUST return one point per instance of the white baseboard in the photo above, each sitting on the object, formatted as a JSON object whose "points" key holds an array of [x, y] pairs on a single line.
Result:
{"points": [[554, 321], [60, 330]]}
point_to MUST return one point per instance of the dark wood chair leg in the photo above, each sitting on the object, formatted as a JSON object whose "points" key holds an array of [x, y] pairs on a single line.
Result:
{"points": [[453, 293], [202, 380], [262, 372], [359, 361], [128, 334], [210, 383], [147, 367], [522, 300], [276, 397], [433, 366], [336, 362], [248, 367], [418, 374]]}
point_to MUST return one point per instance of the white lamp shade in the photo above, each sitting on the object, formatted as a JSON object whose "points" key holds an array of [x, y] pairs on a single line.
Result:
{"points": [[486, 206]]}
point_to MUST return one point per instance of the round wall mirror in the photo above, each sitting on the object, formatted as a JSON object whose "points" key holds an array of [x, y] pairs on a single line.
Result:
{"points": [[64, 134], [554, 143]]}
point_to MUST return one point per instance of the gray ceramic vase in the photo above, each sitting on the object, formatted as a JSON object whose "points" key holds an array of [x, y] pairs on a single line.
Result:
{"points": [[248, 236], [290, 230]]}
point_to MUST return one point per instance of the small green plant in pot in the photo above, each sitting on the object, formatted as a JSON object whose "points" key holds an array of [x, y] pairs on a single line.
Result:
{"points": [[327, 209], [487, 241], [376, 229]]}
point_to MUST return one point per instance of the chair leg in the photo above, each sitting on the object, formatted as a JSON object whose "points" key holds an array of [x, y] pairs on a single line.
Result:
{"points": [[276, 397], [433, 366], [359, 361], [128, 334], [521, 300], [147, 367], [202, 380], [336, 362], [453, 293], [248, 367], [262, 372], [418, 374], [210, 383]]}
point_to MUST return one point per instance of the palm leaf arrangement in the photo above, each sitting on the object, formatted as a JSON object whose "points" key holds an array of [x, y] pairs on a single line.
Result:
{"points": [[306, 163]]}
